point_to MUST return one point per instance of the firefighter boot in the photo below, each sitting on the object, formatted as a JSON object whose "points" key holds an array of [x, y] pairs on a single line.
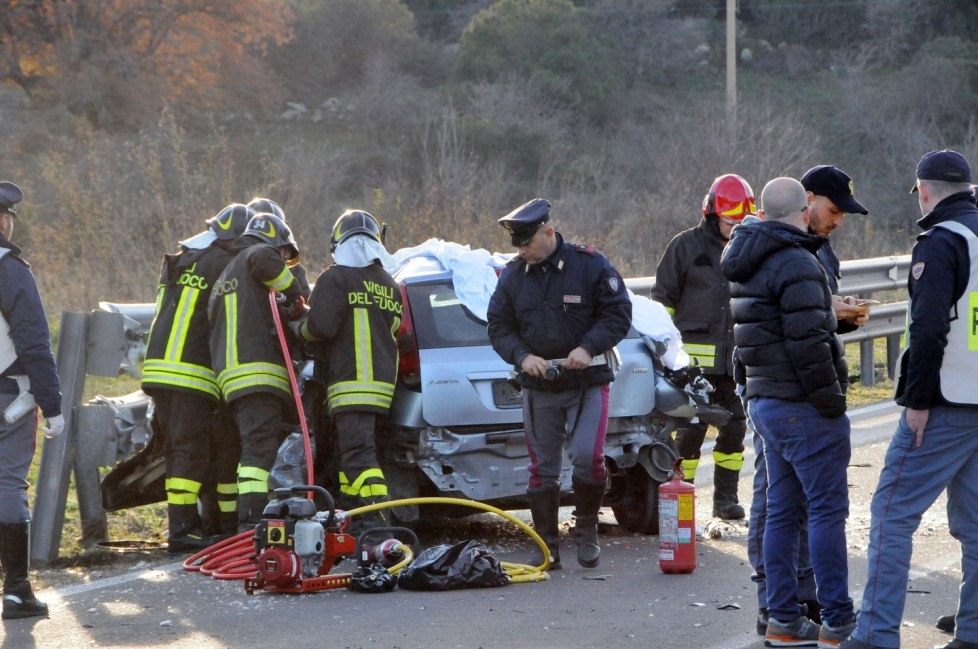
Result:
{"points": [[250, 508], [544, 505], [587, 503], [725, 503], [18, 598], [185, 532]]}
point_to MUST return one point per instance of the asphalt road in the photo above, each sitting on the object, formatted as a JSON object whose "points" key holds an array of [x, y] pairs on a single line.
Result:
{"points": [[625, 602]]}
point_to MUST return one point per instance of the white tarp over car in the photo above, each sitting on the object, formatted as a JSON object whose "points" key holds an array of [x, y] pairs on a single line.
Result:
{"points": [[474, 277]]}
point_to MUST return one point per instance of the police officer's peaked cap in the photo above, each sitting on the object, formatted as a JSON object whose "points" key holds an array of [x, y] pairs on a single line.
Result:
{"points": [[10, 195], [525, 220]]}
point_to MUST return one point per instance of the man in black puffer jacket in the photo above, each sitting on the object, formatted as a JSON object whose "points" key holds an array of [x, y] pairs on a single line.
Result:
{"points": [[784, 327]]}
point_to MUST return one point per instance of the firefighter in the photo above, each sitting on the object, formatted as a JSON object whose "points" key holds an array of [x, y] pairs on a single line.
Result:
{"points": [[268, 206], [354, 314], [179, 376], [246, 353], [688, 282]]}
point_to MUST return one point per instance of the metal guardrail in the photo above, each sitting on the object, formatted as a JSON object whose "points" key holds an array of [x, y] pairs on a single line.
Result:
{"points": [[860, 277]]}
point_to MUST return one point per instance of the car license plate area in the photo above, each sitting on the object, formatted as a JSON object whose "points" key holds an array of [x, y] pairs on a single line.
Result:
{"points": [[505, 396]]}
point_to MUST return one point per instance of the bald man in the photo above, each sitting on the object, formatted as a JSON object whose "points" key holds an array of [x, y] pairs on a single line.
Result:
{"points": [[795, 376]]}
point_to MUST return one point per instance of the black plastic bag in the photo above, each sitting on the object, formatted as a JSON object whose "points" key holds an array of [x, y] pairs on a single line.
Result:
{"points": [[450, 567]]}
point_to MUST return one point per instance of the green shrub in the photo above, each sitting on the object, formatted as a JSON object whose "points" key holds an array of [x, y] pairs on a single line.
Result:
{"points": [[550, 43]]}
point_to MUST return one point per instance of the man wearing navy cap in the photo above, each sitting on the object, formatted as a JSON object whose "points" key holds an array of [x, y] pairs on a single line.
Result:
{"points": [[935, 446], [830, 195], [26, 363], [556, 314]]}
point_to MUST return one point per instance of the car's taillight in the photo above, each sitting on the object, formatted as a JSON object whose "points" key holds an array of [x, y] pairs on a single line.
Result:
{"points": [[409, 369]]}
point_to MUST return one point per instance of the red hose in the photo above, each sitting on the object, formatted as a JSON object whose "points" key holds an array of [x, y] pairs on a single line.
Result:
{"points": [[295, 386]]}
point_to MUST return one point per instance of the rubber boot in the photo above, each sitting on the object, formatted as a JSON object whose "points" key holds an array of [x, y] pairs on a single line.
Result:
{"points": [[725, 504], [544, 506], [587, 502], [18, 597], [250, 508], [185, 532]]}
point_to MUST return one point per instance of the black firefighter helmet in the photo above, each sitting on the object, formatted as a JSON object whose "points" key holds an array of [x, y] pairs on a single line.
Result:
{"points": [[267, 206], [230, 222], [273, 231], [353, 222]]}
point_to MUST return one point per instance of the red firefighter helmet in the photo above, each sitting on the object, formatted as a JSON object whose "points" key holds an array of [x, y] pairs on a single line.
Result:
{"points": [[730, 197]]}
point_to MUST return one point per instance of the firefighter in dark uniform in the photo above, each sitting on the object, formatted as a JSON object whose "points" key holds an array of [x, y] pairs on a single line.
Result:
{"points": [[560, 301], [354, 314], [246, 353], [25, 356], [268, 206], [178, 375], [688, 282]]}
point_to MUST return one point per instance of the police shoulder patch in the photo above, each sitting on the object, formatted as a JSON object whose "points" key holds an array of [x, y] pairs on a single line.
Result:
{"points": [[614, 284], [917, 270], [591, 250]]}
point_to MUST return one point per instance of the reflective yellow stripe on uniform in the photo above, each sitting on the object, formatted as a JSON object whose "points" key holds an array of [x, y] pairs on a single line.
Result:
{"points": [[282, 282], [362, 345], [704, 354], [249, 375], [181, 323], [689, 469], [361, 490], [252, 480], [227, 496], [181, 491], [179, 374], [731, 461], [349, 393], [230, 330], [670, 310]]}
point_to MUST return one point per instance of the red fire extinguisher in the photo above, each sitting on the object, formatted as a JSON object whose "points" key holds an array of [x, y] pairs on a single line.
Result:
{"points": [[677, 524]]}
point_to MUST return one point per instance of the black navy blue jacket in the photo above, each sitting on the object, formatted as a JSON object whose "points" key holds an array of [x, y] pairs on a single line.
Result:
{"points": [[574, 298], [21, 306], [784, 325], [943, 280]]}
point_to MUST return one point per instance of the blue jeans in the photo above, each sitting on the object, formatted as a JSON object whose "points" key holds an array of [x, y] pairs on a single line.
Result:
{"points": [[912, 479], [755, 535], [807, 456]]}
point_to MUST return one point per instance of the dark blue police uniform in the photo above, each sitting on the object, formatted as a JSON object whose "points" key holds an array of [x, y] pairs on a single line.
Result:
{"points": [[25, 350], [574, 298]]}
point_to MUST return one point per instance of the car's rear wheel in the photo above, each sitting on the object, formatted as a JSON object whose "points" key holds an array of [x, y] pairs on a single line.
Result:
{"points": [[637, 507]]}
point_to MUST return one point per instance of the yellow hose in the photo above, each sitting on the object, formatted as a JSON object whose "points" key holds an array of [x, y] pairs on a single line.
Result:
{"points": [[518, 572]]}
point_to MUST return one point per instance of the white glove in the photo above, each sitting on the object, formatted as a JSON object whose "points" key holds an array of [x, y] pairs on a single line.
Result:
{"points": [[56, 426]]}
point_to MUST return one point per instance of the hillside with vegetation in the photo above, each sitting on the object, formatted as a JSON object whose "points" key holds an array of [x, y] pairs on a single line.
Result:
{"points": [[129, 122]]}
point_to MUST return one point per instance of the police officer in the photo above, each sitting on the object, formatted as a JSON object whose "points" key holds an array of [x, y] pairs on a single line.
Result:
{"points": [[246, 354], [354, 314], [201, 444], [556, 314], [688, 282], [25, 358], [935, 446]]}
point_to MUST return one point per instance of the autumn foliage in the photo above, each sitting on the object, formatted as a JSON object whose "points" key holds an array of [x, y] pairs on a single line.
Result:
{"points": [[114, 61]]}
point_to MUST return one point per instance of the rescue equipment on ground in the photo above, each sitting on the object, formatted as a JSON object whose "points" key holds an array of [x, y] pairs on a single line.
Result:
{"points": [[295, 547], [677, 524]]}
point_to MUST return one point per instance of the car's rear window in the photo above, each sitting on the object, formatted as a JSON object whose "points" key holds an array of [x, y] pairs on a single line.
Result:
{"points": [[441, 320]]}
